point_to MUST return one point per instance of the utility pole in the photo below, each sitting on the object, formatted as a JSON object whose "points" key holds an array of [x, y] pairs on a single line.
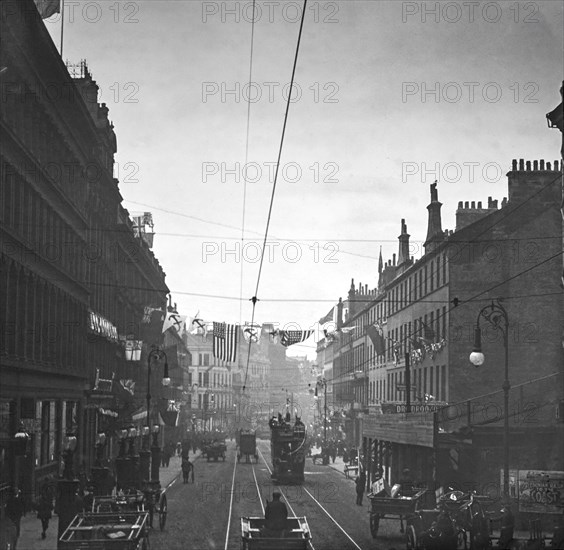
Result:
{"points": [[407, 384]]}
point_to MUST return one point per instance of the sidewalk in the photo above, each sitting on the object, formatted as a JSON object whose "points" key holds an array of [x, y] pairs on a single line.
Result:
{"points": [[30, 532]]}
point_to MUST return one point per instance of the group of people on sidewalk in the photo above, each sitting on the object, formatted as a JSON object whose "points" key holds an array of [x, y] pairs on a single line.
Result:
{"points": [[15, 510]]}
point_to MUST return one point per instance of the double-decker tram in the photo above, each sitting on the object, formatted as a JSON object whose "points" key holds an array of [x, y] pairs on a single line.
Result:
{"points": [[287, 447]]}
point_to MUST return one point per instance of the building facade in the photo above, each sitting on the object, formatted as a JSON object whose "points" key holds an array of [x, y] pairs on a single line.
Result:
{"points": [[416, 335], [75, 277]]}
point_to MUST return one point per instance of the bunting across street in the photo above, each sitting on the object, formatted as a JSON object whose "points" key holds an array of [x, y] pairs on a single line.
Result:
{"points": [[174, 320], [291, 337], [225, 339], [251, 332]]}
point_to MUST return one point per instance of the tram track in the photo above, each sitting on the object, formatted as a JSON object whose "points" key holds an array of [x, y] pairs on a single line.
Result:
{"points": [[314, 522]]}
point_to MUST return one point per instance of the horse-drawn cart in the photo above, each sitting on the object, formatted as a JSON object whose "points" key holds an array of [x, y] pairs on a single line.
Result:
{"points": [[458, 521], [216, 450], [114, 531], [150, 500], [254, 535], [247, 447], [387, 507]]}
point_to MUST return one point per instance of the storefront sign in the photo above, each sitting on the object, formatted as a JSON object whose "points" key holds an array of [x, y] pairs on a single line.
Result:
{"points": [[541, 491], [401, 408], [102, 327]]}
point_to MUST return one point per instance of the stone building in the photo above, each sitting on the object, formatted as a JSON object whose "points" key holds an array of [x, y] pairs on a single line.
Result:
{"points": [[74, 277], [425, 312]]}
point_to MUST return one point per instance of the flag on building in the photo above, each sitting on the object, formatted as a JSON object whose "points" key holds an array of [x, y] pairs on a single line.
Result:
{"points": [[47, 8], [329, 318], [225, 338], [174, 320], [330, 336], [346, 330], [150, 330], [428, 332], [290, 337], [252, 332], [376, 334]]}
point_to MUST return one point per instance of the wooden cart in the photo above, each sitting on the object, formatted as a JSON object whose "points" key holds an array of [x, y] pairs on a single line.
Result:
{"points": [[254, 536], [150, 500], [384, 507], [247, 447], [115, 531]]}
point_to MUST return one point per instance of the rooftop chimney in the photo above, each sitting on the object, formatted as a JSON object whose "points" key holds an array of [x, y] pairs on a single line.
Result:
{"points": [[403, 255], [434, 227]]}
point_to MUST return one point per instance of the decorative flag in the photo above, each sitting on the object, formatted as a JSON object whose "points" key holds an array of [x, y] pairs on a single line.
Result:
{"points": [[225, 339], [174, 320], [128, 385], [428, 332], [346, 330], [47, 8], [148, 312], [330, 336], [330, 317], [251, 332], [198, 326], [168, 410], [151, 325], [291, 337], [376, 334]]}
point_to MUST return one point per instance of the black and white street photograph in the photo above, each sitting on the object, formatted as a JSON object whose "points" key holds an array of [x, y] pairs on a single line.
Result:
{"points": [[281, 275]]}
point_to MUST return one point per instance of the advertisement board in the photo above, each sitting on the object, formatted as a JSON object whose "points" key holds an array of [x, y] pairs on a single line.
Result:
{"points": [[541, 491]]}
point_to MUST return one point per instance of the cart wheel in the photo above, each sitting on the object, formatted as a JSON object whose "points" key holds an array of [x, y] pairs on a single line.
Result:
{"points": [[163, 508], [374, 525], [411, 538]]}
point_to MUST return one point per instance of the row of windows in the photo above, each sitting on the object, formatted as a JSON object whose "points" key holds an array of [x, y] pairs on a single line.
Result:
{"points": [[427, 383], [425, 280], [40, 323]]}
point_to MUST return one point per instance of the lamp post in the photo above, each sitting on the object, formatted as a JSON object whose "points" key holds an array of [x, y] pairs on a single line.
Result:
{"points": [[496, 315], [155, 353], [99, 473], [122, 461], [67, 486], [145, 456]]}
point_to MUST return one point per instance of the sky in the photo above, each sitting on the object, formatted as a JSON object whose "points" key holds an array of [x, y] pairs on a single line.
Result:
{"points": [[389, 97]]}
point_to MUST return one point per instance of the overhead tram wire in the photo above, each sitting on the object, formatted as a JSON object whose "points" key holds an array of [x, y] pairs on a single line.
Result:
{"points": [[246, 160], [254, 299]]}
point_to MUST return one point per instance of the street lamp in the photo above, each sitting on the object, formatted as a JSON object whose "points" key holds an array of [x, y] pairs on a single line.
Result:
{"points": [[155, 353], [496, 315], [67, 485]]}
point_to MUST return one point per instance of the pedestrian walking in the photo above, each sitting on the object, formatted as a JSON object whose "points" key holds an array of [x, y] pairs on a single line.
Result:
{"points": [[360, 484], [187, 470], [44, 507], [15, 509]]}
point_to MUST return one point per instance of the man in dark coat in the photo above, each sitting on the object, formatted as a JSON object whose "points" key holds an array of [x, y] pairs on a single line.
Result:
{"points": [[360, 485], [275, 513]]}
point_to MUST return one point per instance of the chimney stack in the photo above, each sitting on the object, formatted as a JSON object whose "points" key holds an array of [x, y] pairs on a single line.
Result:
{"points": [[434, 226], [403, 255]]}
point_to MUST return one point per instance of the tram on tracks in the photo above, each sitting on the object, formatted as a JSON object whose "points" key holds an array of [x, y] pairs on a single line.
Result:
{"points": [[287, 448]]}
